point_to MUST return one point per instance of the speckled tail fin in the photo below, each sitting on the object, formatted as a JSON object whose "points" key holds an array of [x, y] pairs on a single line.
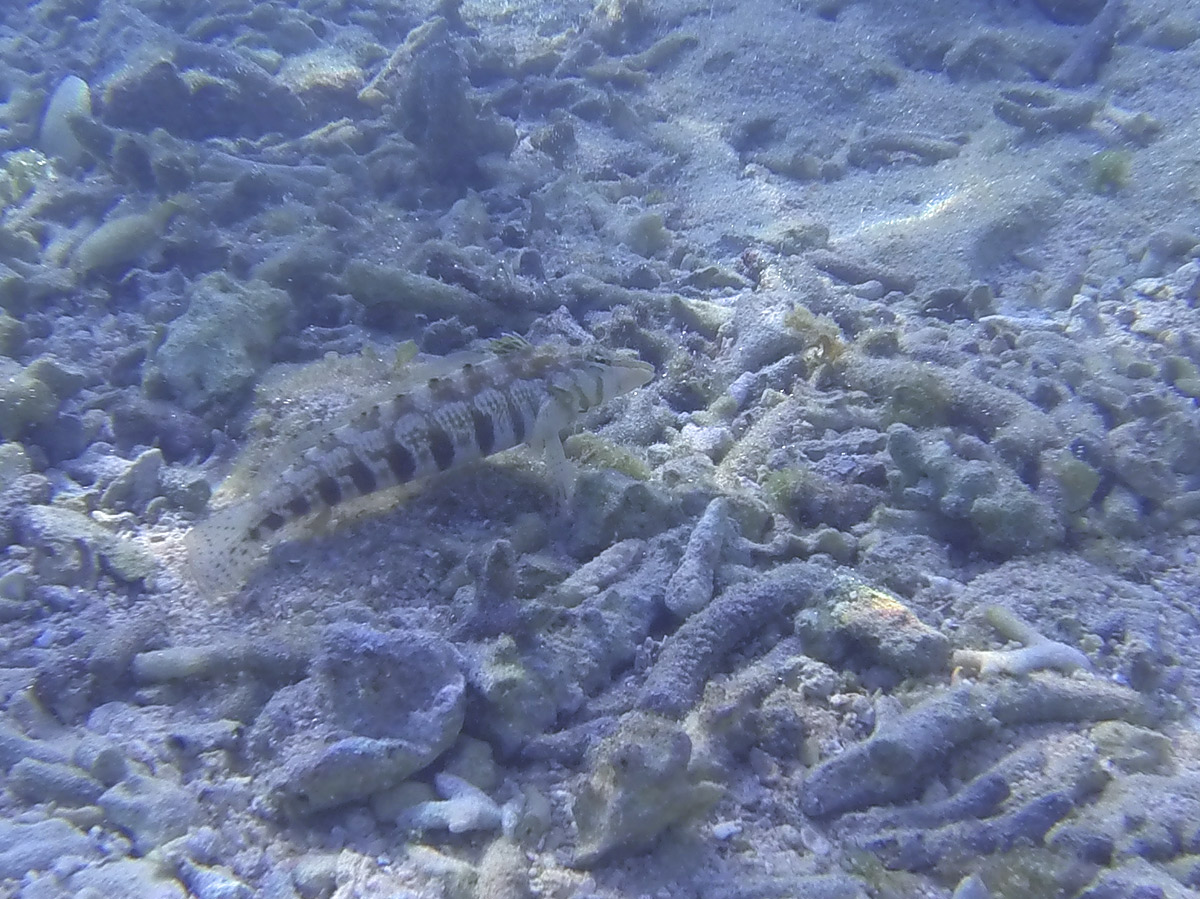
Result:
{"points": [[221, 550]]}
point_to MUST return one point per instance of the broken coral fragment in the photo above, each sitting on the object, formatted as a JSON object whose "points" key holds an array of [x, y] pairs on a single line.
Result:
{"points": [[1037, 653]]}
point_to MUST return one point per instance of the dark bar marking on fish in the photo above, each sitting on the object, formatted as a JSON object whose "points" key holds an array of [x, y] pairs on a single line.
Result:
{"points": [[361, 476], [518, 419], [329, 490], [441, 447], [401, 462], [485, 432]]}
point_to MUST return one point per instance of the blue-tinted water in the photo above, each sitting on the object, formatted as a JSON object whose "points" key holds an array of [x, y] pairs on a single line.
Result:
{"points": [[350, 547]]}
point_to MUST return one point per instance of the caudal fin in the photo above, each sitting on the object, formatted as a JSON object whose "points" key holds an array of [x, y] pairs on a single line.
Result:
{"points": [[221, 553]]}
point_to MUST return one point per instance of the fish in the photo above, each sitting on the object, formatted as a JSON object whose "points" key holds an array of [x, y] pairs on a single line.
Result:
{"points": [[516, 394]]}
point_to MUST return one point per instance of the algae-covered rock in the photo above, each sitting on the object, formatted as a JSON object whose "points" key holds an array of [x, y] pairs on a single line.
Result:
{"points": [[30, 396], [1011, 520], [646, 234], [1002, 515], [215, 350], [14, 462], [122, 241], [861, 626], [70, 548], [594, 450], [378, 708], [437, 111], [12, 333], [390, 292], [639, 785], [20, 172], [609, 507], [1076, 480], [810, 499], [25, 400], [137, 485], [326, 78], [199, 90], [519, 702], [1134, 749]]}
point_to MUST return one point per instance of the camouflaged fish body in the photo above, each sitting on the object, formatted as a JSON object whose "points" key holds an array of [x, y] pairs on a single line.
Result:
{"points": [[526, 394]]}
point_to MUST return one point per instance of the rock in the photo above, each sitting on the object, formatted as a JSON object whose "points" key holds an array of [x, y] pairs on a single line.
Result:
{"points": [[131, 877], [378, 708], [521, 702], [898, 761], [696, 651], [437, 112], [213, 882], [71, 98], [390, 292], [101, 759], [138, 420], [638, 786], [31, 395], [1142, 459], [215, 350], [70, 548], [609, 507], [121, 242], [150, 811], [198, 91], [691, 586], [37, 781], [859, 626], [503, 872], [136, 486], [463, 808], [14, 463], [34, 847]]}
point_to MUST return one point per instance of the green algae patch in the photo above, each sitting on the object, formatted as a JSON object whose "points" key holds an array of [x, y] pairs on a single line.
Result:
{"points": [[594, 451], [20, 172]]}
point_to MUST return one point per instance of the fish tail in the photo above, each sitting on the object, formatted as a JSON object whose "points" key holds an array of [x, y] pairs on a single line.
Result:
{"points": [[222, 550]]}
